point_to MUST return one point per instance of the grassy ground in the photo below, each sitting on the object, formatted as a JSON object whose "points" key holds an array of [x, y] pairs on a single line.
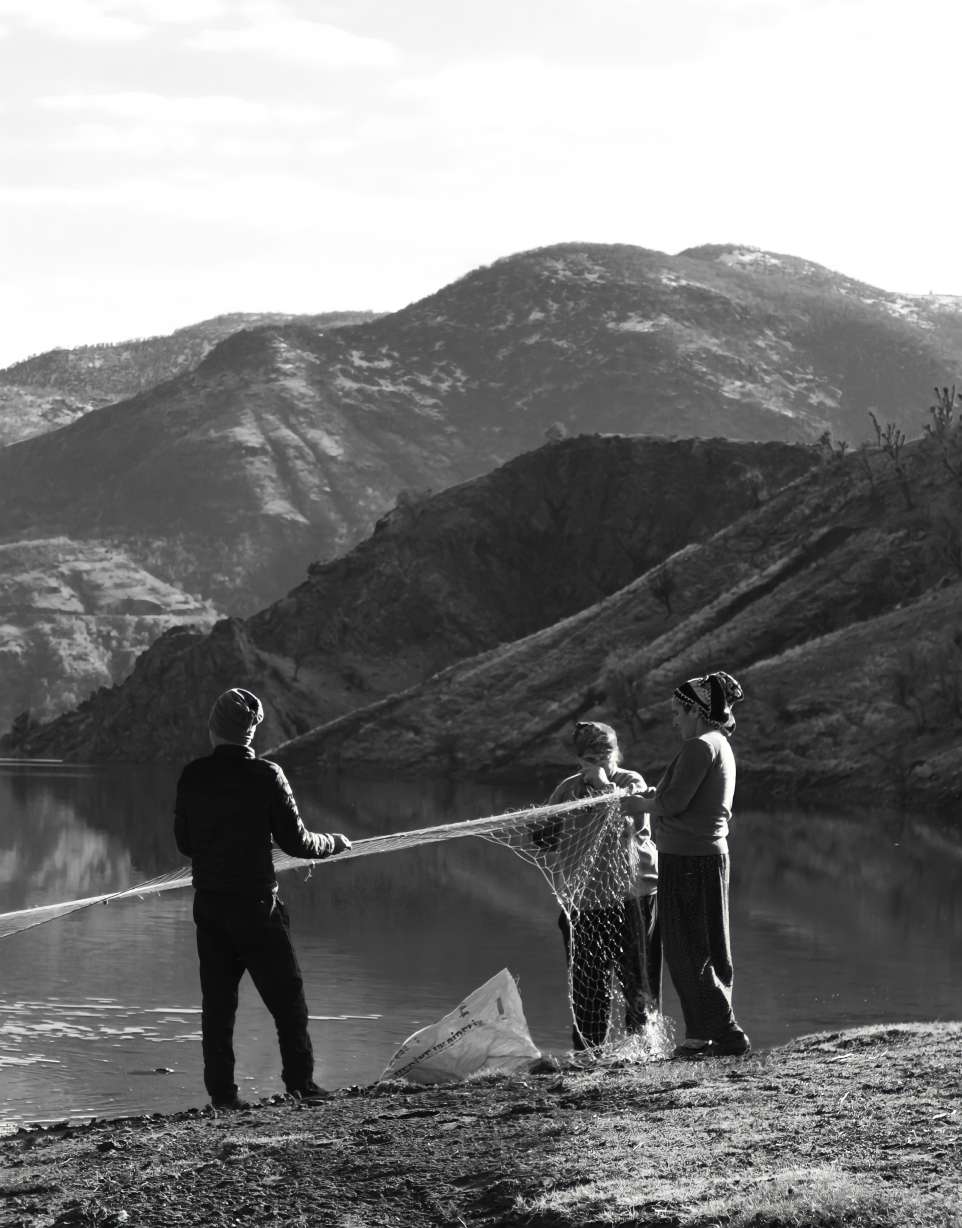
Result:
{"points": [[853, 1128]]}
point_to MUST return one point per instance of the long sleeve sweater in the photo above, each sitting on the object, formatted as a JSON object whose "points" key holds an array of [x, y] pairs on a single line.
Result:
{"points": [[230, 808], [693, 801]]}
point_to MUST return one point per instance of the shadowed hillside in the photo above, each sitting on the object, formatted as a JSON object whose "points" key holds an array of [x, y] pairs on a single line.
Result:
{"points": [[441, 578], [837, 605]]}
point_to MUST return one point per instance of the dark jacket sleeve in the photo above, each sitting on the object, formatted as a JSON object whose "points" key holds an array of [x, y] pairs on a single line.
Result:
{"points": [[181, 825], [288, 831]]}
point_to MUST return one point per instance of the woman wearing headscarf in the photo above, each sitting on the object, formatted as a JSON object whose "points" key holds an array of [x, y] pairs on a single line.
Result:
{"points": [[691, 808], [607, 870]]}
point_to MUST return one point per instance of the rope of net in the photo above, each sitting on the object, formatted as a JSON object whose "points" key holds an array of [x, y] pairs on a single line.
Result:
{"points": [[497, 827]]}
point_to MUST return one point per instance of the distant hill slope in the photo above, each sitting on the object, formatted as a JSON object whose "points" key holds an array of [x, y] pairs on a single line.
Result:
{"points": [[937, 315], [837, 604], [441, 578], [25, 411], [52, 389], [287, 442], [720, 340], [74, 617]]}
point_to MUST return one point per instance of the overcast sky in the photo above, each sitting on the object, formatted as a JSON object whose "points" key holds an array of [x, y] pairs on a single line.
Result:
{"points": [[169, 160]]}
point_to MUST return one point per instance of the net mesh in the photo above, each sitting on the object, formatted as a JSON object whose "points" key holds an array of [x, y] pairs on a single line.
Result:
{"points": [[588, 854], [583, 850]]}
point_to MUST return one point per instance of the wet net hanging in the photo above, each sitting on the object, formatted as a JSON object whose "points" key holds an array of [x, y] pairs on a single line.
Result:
{"points": [[585, 852], [588, 854]]}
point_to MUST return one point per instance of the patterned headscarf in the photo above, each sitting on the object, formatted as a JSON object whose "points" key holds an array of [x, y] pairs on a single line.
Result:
{"points": [[235, 716], [594, 742], [713, 696]]}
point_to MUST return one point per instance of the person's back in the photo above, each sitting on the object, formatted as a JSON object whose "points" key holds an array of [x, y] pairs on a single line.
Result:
{"points": [[230, 807]]}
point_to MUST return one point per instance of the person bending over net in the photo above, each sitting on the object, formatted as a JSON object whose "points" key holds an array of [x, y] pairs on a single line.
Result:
{"points": [[604, 870], [229, 806], [692, 808]]}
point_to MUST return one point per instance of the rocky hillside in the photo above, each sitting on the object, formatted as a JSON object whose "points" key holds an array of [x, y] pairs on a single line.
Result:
{"points": [[937, 315], [52, 389], [441, 578], [74, 618], [25, 412], [718, 340], [287, 441], [836, 603]]}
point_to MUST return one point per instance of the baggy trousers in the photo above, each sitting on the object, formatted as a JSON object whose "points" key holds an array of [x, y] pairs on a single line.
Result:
{"points": [[236, 934], [693, 894], [622, 939]]}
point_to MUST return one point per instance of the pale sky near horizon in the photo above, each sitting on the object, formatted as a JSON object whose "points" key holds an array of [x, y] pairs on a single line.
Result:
{"points": [[165, 161]]}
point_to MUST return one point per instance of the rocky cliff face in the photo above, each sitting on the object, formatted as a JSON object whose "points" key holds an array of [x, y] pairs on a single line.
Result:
{"points": [[74, 617], [441, 578]]}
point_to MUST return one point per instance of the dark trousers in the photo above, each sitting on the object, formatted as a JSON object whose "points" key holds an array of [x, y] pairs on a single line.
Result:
{"points": [[235, 935], [695, 933], [623, 940]]}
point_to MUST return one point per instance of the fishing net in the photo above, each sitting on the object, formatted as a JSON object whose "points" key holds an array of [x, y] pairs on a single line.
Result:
{"points": [[583, 850], [26, 918], [588, 853]]}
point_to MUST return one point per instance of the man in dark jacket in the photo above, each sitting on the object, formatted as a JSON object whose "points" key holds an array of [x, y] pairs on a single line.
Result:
{"points": [[230, 806]]}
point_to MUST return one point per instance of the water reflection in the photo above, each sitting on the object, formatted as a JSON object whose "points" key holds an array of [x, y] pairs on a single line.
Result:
{"points": [[48, 850], [890, 867], [836, 920]]}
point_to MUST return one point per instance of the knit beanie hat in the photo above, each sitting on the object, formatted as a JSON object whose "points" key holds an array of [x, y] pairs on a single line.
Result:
{"points": [[594, 741], [235, 716], [713, 696]]}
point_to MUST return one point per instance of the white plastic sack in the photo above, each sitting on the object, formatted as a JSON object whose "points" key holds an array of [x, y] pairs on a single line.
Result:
{"points": [[488, 1031]]}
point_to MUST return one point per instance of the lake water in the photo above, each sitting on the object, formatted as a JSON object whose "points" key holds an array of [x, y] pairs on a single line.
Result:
{"points": [[837, 921]]}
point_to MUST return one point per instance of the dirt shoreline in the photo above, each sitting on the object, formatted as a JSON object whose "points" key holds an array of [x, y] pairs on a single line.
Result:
{"points": [[860, 1127]]}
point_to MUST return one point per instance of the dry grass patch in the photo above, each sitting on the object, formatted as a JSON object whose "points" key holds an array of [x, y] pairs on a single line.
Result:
{"points": [[822, 1197]]}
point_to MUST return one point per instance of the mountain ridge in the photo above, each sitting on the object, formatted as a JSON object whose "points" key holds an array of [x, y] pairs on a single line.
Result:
{"points": [[939, 315], [285, 443]]}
